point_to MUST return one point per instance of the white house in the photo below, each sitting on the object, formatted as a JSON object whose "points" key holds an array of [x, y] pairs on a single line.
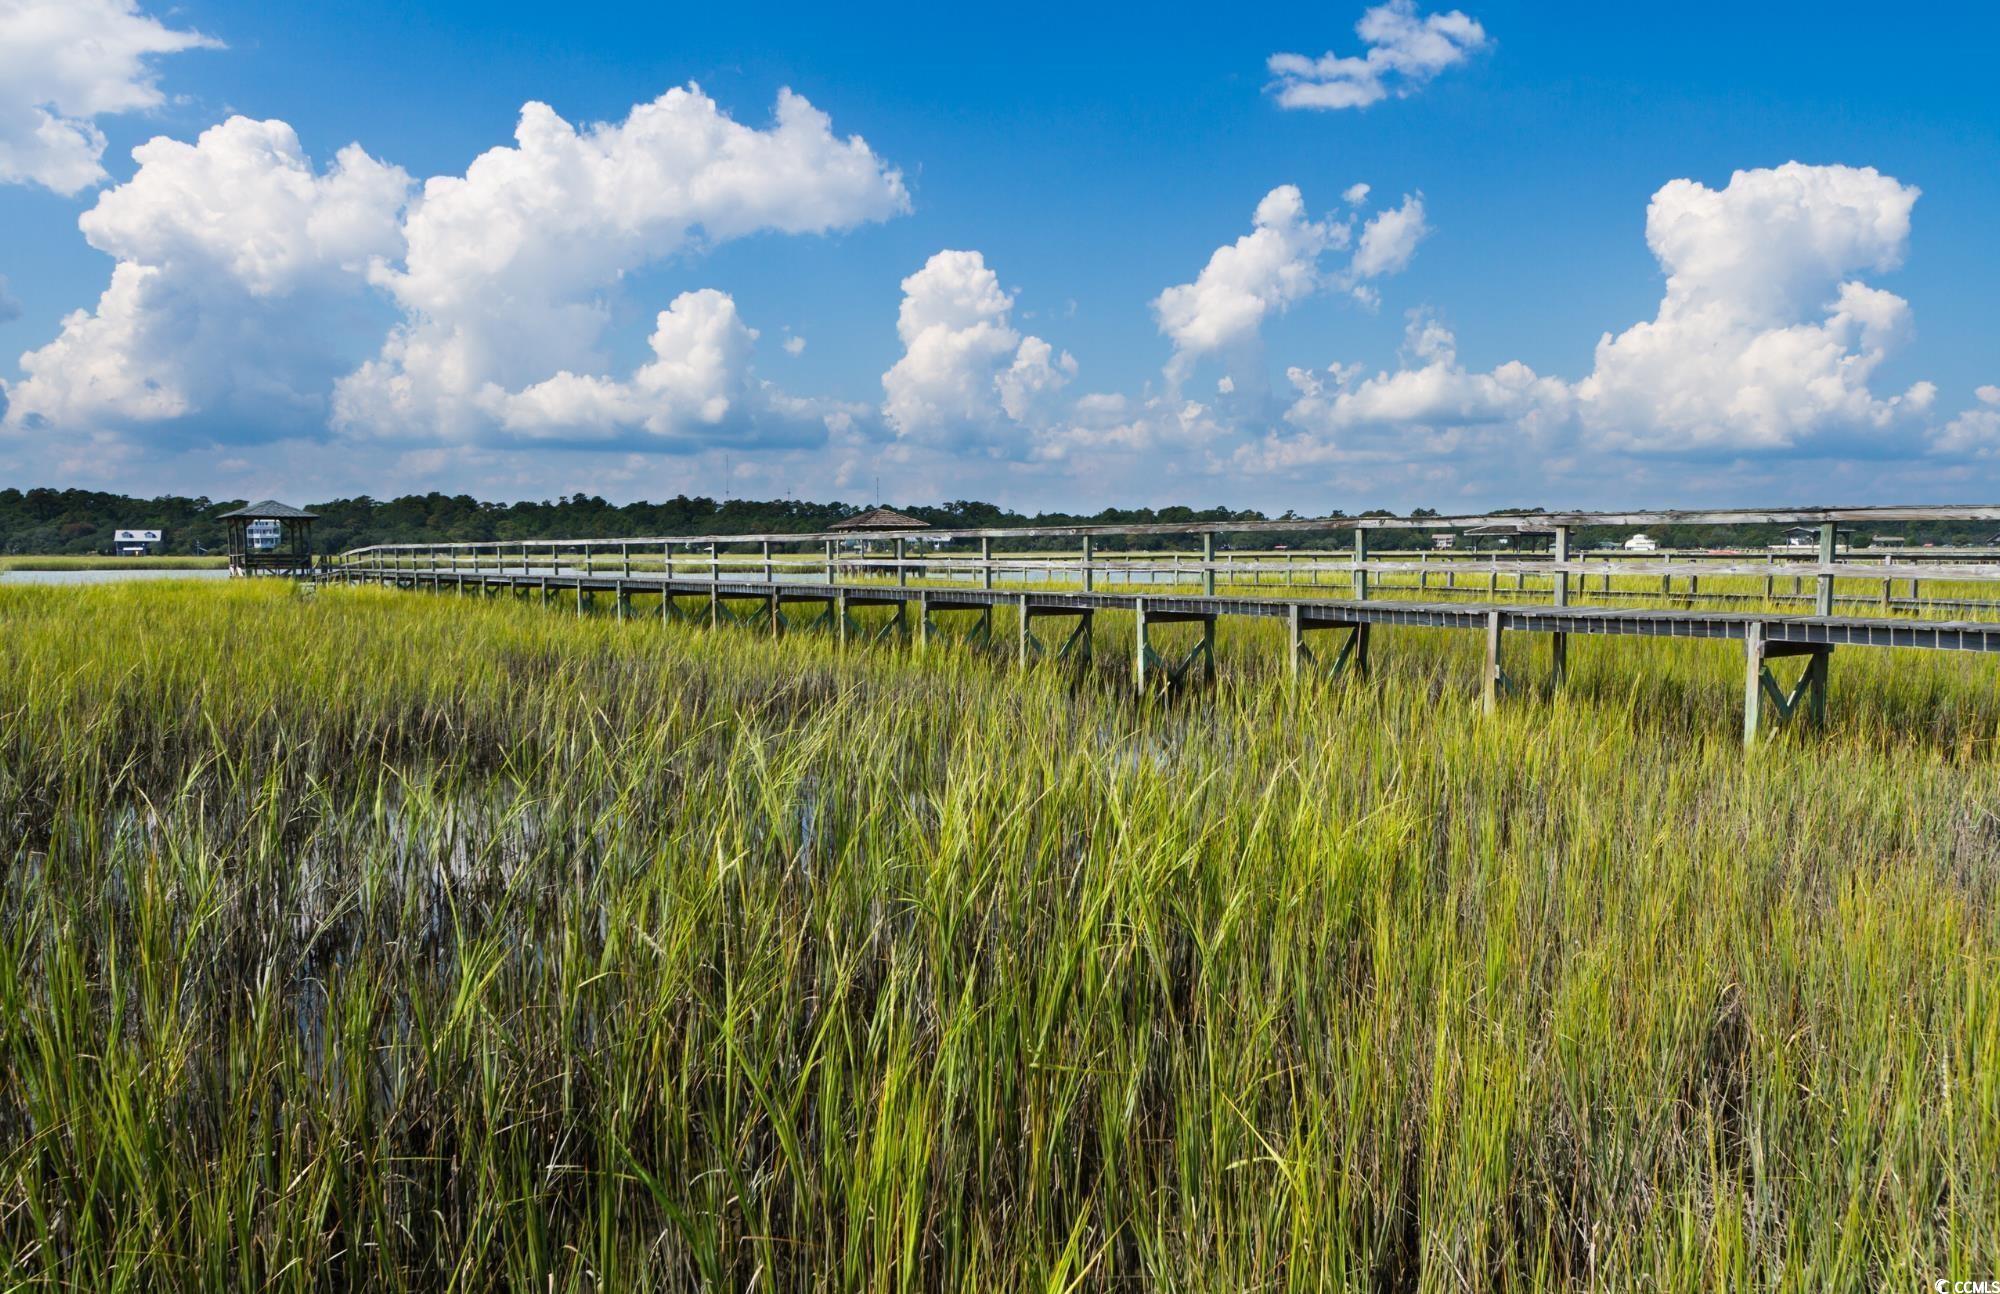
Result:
{"points": [[1641, 543], [137, 543], [263, 535]]}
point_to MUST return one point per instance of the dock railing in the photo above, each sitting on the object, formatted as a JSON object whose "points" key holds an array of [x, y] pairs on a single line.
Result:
{"points": [[1167, 574], [1822, 575]]}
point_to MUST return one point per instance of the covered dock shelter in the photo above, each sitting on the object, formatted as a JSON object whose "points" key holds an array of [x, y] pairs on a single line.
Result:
{"points": [[270, 538]]}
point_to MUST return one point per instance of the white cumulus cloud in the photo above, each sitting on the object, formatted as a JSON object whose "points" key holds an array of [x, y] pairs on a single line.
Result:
{"points": [[1275, 266], [1340, 411], [697, 392], [230, 253], [507, 265], [64, 63], [1975, 432], [1402, 52], [966, 378], [1764, 338]]}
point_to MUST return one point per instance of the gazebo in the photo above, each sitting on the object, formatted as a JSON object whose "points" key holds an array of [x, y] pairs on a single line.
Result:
{"points": [[881, 519], [874, 522], [270, 538]]}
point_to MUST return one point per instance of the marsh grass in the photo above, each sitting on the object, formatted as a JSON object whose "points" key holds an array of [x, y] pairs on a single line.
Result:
{"points": [[383, 940]]}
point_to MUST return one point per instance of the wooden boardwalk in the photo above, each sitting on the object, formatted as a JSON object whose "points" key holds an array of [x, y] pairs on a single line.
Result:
{"points": [[1341, 627], [712, 578]]}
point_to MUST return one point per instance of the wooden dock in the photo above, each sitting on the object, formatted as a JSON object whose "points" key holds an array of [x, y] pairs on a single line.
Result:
{"points": [[784, 585]]}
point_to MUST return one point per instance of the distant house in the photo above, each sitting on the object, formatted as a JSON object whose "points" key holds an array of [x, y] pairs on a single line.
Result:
{"points": [[1886, 541], [1642, 543], [138, 543], [263, 534], [1510, 534], [1444, 541], [1808, 537]]}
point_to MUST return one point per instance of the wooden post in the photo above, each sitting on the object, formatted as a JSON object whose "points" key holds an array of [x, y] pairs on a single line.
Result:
{"points": [[1490, 684], [667, 560], [1089, 576], [1139, 660], [840, 619], [985, 563], [714, 572], [829, 561], [1295, 634], [1023, 633], [1559, 642], [767, 561], [1823, 605], [902, 571], [1753, 681], [1360, 570], [923, 619], [625, 561], [1208, 563]]}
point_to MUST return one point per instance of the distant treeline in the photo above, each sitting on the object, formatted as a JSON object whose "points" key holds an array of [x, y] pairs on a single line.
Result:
{"points": [[46, 521]]}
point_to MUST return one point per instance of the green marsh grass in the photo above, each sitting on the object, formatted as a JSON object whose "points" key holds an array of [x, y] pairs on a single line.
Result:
{"points": [[88, 563], [406, 941]]}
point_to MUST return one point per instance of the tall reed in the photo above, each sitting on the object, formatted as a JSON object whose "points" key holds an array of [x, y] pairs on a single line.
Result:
{"points": [[397, 941]]}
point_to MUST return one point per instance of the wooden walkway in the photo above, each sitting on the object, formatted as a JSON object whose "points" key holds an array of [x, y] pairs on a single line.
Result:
{"points": [[704, 578], [779, 605]]}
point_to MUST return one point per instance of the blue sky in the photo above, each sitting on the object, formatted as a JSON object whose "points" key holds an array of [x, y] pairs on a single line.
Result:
{"points": [[1090, 163]]}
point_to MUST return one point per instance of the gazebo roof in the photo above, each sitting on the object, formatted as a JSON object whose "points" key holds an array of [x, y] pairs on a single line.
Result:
{"points": [[1510, 528], [881, 519], [270, 510]]}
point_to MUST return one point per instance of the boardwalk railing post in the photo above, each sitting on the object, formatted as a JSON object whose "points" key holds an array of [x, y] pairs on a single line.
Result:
{"points": [[1559, 642], [1360, 564], [1089, 574], [1827, 536], [985, 563], [829, 561], [1493, 679], [1753, 681], [1295, 637], [1024, 636], [902, 567], [1208, 563], [1145, 649], [840, 620], [767, 561]]}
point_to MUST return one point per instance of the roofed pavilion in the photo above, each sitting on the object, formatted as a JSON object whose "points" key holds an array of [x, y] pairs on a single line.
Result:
{"points": [[269, 538], [881, 519]]}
